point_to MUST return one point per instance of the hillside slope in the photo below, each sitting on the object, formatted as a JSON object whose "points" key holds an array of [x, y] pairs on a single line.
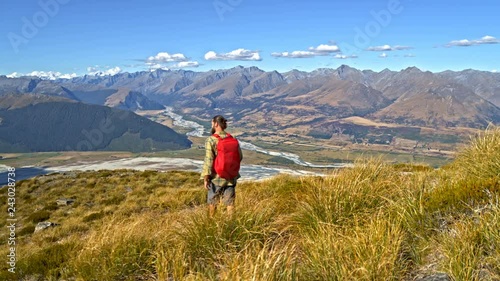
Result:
{"points": [[393, 222], [37, 123]]}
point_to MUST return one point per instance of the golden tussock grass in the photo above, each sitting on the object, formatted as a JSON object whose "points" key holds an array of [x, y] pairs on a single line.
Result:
{"points": [[374, 221]]}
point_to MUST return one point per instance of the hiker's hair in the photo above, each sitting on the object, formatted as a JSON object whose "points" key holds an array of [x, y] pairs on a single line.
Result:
{"points": [[219, 119]]}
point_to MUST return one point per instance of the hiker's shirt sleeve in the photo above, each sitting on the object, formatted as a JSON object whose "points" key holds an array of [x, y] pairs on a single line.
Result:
{"points": [[209, 158]]}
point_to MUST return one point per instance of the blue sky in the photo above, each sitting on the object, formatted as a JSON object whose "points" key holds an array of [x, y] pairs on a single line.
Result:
{"points": [[72, 37]]}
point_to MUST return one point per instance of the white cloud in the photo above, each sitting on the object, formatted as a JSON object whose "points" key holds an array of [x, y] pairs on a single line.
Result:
{"points": [[488, 40], [321, 50], [13, 75], [467, 43], [325, 49], [494, 71], [386, 48], [111, 71], [210, 55], [461, 43], [380, 48], [294, 54], [67, 76], [343, 57], [238, 54], [94, 68], [49, 75], [155, 66], [152, 66], [166, 57], [185, 64], [401, 48], [383, 55]]}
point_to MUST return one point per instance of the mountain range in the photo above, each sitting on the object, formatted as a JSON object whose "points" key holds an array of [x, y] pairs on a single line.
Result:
{"points": [[251, 97], [122, 98], [467, 98]]}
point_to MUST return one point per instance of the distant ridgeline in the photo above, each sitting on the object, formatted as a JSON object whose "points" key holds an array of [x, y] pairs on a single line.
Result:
{"points": [[30, 123], [318, 103]]}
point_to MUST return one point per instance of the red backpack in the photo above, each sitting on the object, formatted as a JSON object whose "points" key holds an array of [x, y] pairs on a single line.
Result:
{"points": [[227, 161]]}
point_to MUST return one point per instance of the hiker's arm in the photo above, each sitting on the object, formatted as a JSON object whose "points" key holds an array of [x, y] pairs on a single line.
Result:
{"points": [[209, 159]]}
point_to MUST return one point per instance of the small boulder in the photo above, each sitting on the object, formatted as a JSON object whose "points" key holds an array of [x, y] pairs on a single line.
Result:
{"points": [[43, 225], [64, 201], [435, 277]]}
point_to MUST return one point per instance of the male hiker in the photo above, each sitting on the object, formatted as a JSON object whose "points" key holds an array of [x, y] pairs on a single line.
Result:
{"points": [[221, 166]]}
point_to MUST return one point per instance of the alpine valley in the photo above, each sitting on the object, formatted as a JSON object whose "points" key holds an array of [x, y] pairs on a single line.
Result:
{"points": [[343, 105]]}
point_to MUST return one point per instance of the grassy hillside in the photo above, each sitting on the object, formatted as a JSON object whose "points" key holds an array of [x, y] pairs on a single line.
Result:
{"points": [[372, 222]]}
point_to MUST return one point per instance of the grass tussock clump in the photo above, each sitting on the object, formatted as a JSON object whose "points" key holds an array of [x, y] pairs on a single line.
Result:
{"points": [[39, 216], [374, 221], [480, 159], [361, 252], [472, 180], [118, 250], [348, 197], [48, 262]]}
